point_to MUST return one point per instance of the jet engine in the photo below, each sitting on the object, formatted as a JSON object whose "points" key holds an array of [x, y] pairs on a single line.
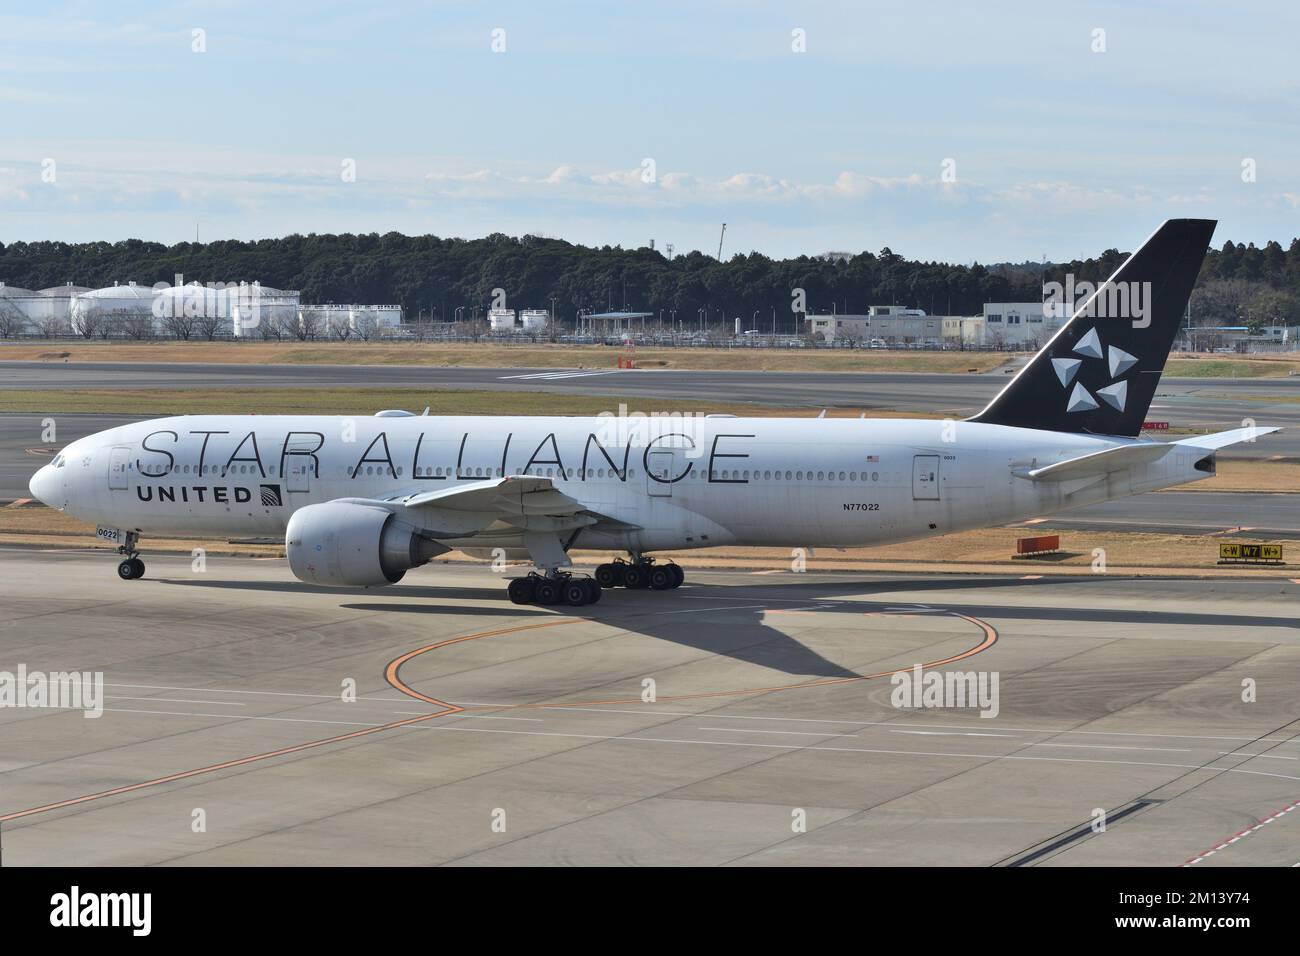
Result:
{"points": [[354, 544]]}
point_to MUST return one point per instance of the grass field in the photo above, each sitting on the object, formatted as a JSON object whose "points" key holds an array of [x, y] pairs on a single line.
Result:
{"points": [[1196, 366], [147, 403], [493, 355]]}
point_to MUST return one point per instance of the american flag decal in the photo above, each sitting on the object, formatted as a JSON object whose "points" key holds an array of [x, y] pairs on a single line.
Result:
{"points": [[271, 496], [873, 458]]}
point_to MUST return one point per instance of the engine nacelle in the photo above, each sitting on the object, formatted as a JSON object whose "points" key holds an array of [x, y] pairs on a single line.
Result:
{"points": [[354, 544]]}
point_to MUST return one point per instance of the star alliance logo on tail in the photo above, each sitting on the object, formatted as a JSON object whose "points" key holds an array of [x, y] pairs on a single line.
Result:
{"points": [[271, 496], [1119, 361]]}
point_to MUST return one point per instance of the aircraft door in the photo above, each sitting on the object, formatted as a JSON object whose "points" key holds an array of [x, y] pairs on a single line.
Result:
{"points": [[119, 464], [661, 471], [299, 467], [925, 478]]}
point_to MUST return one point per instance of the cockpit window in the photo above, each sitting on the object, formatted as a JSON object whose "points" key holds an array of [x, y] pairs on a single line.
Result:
{"points": [[58, 461]]}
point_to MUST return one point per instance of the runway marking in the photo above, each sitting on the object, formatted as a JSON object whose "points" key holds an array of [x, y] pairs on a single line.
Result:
{"points": [[879, 723], [947, 733], [815, 748], [566, 373], [223, 690], [788, 733], [1242, 834], [391, 673], [1237, 753], [225, 765], [535, 720], [182, 700]]}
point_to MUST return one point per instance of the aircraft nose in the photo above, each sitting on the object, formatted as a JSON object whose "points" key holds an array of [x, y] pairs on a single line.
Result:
{"points": [[42, 486]]}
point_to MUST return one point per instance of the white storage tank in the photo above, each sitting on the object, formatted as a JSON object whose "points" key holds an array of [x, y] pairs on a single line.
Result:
{"points": [[116, 304], [533, 320], [501, 320], [18, 305], [372, 318], [194, 301], [56, 311], [255, 306]]}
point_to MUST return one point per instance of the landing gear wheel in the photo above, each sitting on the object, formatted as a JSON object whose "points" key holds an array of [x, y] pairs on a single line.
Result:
{"points": [[131, 569], [679, 576], [610, 575], [576, 592], [636, 576], [522, 590], [548, 592], [661, 577], [593, 590]]}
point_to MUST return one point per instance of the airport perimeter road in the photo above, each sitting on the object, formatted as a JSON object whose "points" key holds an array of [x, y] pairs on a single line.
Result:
{"points": [[483, 732]]}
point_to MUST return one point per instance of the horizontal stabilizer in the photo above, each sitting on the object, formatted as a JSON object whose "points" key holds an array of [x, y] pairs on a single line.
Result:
{"points": [[1099, 463], [1223, 439]]}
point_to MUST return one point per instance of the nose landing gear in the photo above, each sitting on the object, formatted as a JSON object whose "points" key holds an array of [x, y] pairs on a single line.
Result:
{"points": [[131, 568]]}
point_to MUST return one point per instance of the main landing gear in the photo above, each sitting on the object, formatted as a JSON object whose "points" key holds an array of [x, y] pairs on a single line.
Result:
{"points": [[559, 587], [640, 574], [131, 568]]}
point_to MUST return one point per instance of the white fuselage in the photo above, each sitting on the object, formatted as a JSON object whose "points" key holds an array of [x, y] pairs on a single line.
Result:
{"points": [[669, 483]]}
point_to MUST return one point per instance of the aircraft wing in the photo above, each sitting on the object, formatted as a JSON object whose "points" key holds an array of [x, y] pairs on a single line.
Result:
{"points": [[518, 494], [521, 501]]}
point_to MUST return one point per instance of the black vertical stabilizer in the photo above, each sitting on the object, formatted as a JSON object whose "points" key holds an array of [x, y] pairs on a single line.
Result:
{"points": [[1100, 371]]}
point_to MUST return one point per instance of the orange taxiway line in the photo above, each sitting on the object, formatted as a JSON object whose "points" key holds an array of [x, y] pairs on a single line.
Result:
{"points": [[990, 638], [390, 674], [225, 765]]}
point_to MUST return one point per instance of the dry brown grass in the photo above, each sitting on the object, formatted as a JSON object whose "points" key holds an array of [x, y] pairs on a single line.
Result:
{"points": [[493, 355], [1250, 474]]}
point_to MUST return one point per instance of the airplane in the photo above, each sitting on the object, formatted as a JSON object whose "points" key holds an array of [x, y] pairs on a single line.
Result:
{"points": [[359, 501]]}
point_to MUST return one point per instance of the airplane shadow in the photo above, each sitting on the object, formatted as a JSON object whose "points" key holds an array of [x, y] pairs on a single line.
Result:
{"points": [[745, 634]]}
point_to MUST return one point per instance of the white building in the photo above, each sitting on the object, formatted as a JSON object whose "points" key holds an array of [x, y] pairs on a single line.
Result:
{"points": [[884, 326], [1018, 325], [343, 320]]}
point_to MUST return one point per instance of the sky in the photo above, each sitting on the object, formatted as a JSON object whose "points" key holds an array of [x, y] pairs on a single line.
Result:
{"points": [[993, 131]]}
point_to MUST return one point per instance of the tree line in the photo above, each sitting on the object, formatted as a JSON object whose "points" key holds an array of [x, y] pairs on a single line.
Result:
{"points": [[440, 279]]}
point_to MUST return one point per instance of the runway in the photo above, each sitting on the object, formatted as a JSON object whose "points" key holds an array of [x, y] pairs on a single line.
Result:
{"points": [[1209, 404], [734, 722]]}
